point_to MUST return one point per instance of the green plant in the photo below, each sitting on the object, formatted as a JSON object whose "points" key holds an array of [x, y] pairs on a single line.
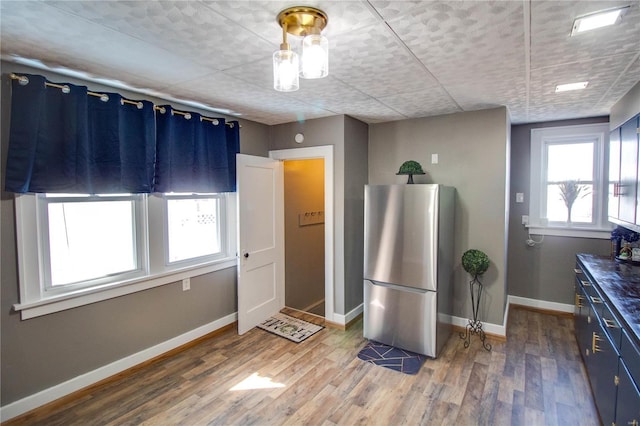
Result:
{"points": [[475, 262], [570, 191]]}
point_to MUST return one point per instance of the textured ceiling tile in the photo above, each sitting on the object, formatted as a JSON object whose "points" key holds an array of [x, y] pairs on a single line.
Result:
{"points": [[596, 98], [188, 28], [372, 111], [390, 9], [459, 40], [477, 96], [66, 40], [374, 63], [260, 16], [551, 43], [422, 103], [233, 94]]}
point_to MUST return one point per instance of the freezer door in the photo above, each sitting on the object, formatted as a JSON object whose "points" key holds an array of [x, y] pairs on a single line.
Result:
{"points": [[403, 318], [401, 235]]}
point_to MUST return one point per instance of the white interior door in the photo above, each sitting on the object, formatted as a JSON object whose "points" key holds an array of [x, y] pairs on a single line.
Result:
{"points": [[260, 239]]}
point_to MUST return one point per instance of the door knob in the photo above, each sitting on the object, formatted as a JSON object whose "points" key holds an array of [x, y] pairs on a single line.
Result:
{"points": [[246, 255]]}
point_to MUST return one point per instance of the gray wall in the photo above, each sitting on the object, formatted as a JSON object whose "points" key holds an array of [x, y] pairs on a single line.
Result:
{"points": [[356, 146], [349, 139], [626, 108], [543, 272], [41, 352], [473, 157], [304, 244]]}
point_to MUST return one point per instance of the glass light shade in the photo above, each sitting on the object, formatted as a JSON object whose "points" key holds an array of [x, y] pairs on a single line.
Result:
{"points": [[315, 56], [285, 71]]}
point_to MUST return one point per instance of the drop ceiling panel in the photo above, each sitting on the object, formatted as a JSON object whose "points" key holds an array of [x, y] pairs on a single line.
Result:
{"points": [[422, 103], [551, 43], [466, 42], [187, 28], [372, 61], [601, 73], [260, 17]]}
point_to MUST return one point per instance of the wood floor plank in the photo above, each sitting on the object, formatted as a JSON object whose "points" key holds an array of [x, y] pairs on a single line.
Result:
{"points": [[535, 377]]}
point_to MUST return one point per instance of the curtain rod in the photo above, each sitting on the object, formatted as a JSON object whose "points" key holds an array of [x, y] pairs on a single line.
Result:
{"points": [[24, 80]]}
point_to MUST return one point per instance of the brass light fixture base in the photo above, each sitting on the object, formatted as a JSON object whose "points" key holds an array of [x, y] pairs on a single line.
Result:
{"points": [[302, 20]]}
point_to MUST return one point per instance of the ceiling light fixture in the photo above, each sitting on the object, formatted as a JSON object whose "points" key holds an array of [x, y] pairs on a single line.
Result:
{"points": [[598, 19], [571, 86], [307, 22]]}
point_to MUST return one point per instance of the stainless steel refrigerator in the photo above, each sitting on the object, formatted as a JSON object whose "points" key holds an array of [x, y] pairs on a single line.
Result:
{"points": [[408, 265]]}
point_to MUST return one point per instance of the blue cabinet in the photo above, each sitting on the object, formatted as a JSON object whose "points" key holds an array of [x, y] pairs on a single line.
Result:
{"points": [[609, 350], [628, 404]]}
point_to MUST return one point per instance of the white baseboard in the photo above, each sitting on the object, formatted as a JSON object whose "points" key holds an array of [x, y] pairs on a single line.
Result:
{"points": [[495, 329], [21, 406], [345, 319], [501, 330], [540, 304]]}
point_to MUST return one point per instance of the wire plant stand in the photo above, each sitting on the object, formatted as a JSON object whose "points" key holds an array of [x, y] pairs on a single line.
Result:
{"points": [[475, 325]]}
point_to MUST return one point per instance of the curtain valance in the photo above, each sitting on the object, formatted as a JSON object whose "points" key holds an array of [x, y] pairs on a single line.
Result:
{"points": [[65, 139]]}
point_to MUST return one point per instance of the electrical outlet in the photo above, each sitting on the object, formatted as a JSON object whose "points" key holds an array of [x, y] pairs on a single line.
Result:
{"points": [[525, 219], [186, 284]]}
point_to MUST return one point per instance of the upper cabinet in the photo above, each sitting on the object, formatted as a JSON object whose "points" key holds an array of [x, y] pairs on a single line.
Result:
{"points": [[623, 174]]}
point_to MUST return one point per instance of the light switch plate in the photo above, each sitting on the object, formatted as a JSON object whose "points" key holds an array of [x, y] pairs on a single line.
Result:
{"points": [[519, 197], [434, 158]]}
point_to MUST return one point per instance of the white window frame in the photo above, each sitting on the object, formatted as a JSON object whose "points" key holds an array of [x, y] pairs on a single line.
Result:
{"points": [[36, 301], [541, 138], [221, 217]]}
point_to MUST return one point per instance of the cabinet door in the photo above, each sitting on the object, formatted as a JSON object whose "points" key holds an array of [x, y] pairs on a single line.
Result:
{"points": [[602, 367], [628, 171], [614, 173], [582, 321], [628, 404]]}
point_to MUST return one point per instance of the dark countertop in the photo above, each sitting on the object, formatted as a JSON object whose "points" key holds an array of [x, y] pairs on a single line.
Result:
{"points": [[620, 284]]}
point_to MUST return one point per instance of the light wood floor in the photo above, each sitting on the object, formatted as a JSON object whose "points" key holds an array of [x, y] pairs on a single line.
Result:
{"points": [[535, 378]]}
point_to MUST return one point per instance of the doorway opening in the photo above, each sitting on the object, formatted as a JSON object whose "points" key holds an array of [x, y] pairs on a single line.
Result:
{"points": [[304, 235], [309, 229]]}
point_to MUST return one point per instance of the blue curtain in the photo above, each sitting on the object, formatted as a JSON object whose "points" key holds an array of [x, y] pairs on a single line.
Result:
{"points": [[194, 154], [71, 141], [77, 143]]}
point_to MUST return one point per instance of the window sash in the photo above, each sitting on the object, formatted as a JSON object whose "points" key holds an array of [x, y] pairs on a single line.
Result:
{"points": [[221, 225], [43, 202]]}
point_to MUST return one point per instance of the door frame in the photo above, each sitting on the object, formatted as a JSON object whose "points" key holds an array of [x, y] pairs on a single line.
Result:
{"points": [[325, 152]]}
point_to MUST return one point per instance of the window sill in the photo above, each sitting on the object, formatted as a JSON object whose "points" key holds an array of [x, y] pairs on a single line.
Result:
{"points": [[573, 232], [92, 295]]}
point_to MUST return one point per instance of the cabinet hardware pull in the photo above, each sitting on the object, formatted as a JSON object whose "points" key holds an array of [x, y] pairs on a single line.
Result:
{"points": [[609, 323], [633, 423], [616, 380], [594, 345], [577, 270], [596, 299], [579, 301], [586, 283]]}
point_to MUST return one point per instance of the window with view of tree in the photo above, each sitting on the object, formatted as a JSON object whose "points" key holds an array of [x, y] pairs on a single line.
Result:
{"points": [[567, 178]]}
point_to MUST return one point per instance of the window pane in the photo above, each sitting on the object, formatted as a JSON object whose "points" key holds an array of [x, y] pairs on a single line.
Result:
{"points": [[194, 229], [581, 210], [89, 240], [570, 162]]}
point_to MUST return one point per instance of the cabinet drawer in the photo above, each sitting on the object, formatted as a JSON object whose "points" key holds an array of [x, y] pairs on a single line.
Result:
{"points": [[631, 356], [611, 325]]}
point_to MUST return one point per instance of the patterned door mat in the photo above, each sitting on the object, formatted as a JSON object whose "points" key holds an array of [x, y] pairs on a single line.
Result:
{"points": [[393, 358], [290, 328]]}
